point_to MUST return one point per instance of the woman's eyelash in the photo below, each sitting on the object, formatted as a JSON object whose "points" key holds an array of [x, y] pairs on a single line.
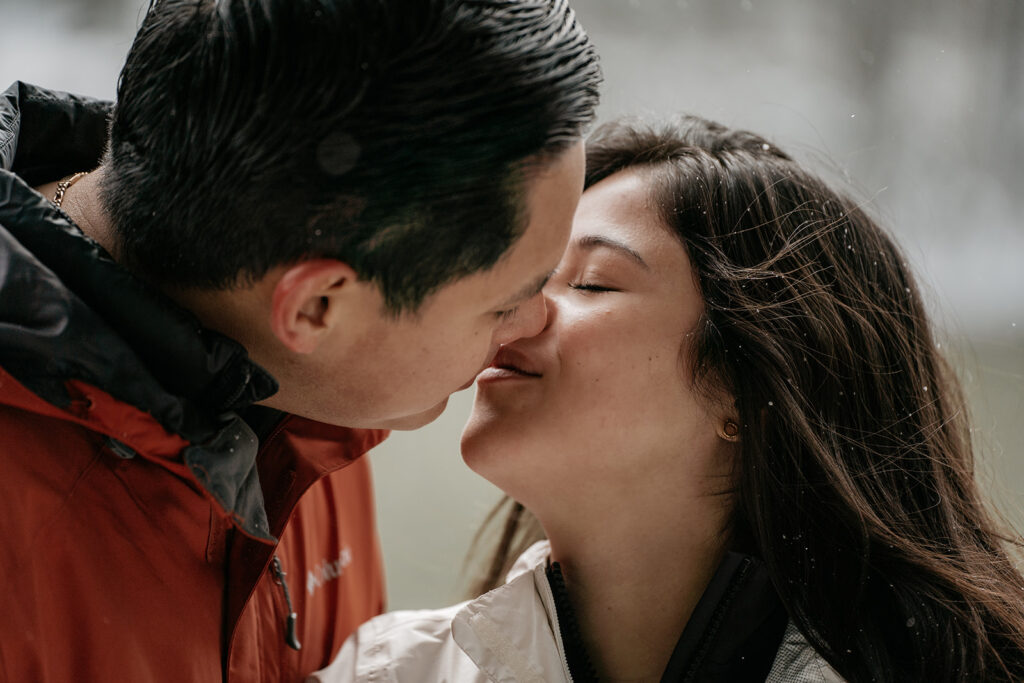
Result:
{"points": [[589, 287], [505, 316]]}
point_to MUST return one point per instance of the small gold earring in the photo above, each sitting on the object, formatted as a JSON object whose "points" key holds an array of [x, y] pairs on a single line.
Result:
{"points": [[730, 431]]}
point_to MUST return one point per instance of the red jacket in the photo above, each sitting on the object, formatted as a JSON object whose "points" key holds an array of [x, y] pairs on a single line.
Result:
{"points": [[139, 511]]}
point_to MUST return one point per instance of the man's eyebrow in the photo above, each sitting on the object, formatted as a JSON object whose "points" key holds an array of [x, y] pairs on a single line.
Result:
{"points": [[590, 242], [528, 292]]}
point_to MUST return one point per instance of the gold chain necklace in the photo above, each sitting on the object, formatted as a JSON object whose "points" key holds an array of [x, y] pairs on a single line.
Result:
{"points": [[63, 186]]}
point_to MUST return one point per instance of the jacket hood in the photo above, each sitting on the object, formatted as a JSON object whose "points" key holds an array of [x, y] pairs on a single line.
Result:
{"points": [[69, 313]]}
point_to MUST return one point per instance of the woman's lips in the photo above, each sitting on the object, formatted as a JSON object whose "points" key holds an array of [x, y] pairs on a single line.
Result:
{"points": [[509, 364], [493, 374]]}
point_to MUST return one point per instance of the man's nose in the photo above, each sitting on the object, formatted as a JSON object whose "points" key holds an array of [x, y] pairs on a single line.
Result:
{"points": [[529, 321]]}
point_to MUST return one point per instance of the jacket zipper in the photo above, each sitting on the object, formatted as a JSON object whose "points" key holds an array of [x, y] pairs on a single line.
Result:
{"points": [[290, 635], [547, 597], [577, 659]]}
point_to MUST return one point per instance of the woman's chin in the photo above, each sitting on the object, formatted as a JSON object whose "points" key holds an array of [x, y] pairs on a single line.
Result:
{"points": [[481, 442], [485, 428], [495, 450]]}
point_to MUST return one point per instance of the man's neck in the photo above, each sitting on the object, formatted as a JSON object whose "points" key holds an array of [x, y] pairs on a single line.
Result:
{"points": [[225, 311], [82, 204]]}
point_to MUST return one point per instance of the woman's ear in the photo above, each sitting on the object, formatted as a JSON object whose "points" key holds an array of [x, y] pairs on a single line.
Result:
{"points": [[306, 302]]}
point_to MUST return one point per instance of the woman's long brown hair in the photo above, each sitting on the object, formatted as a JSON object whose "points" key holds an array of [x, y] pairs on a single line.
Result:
{"points": [[856, 482]]}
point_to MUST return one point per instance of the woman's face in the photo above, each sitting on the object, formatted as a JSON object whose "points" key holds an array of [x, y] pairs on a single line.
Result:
{"points": [[601, 401]]}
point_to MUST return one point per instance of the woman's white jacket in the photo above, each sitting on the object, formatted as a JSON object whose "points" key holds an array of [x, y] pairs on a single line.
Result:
{"points": [[510, 634]]}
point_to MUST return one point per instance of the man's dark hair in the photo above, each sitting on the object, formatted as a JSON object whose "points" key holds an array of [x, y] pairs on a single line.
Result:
{"points": [[395, 136]]}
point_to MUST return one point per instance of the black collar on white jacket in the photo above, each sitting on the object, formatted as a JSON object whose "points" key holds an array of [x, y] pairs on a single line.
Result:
{"points": [[732, 636]]}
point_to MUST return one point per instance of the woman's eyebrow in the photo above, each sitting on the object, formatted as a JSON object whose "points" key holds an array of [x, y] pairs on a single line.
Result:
{"points": [[590, 242]]}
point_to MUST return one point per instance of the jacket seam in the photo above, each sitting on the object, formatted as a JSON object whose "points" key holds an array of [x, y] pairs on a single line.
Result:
{"points": [[51, 519], [115, 470]]}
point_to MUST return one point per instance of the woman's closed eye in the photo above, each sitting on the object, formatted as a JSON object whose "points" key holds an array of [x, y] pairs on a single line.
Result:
{"points": [[590, 287]]}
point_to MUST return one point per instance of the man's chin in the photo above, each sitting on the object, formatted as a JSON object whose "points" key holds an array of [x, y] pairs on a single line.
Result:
{"points": [[410, 422]]}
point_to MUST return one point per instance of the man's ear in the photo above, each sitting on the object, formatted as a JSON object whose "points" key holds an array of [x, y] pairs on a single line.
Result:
{"points": [[305, 303]]}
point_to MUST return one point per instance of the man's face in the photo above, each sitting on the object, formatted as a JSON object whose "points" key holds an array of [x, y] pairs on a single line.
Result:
{"points": [[397, 373]]}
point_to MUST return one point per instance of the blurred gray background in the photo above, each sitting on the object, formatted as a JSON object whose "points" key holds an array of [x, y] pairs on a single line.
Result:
{"points": [[918, 105]]}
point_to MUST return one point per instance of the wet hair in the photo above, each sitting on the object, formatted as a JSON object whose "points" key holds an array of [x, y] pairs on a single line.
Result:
{"points": [[855, 480], [395, 136]]}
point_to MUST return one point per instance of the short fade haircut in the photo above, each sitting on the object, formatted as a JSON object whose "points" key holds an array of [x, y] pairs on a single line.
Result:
{"points": [[396, 136]]}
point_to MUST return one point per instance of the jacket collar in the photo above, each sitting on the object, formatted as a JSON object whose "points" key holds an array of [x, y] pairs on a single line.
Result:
{"points": [[512, 632], [69, 312], [45, 134], [737, 633], [78, 314]]}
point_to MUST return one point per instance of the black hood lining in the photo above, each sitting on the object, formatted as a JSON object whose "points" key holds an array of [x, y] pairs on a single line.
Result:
{"points": [[68, 311]]}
